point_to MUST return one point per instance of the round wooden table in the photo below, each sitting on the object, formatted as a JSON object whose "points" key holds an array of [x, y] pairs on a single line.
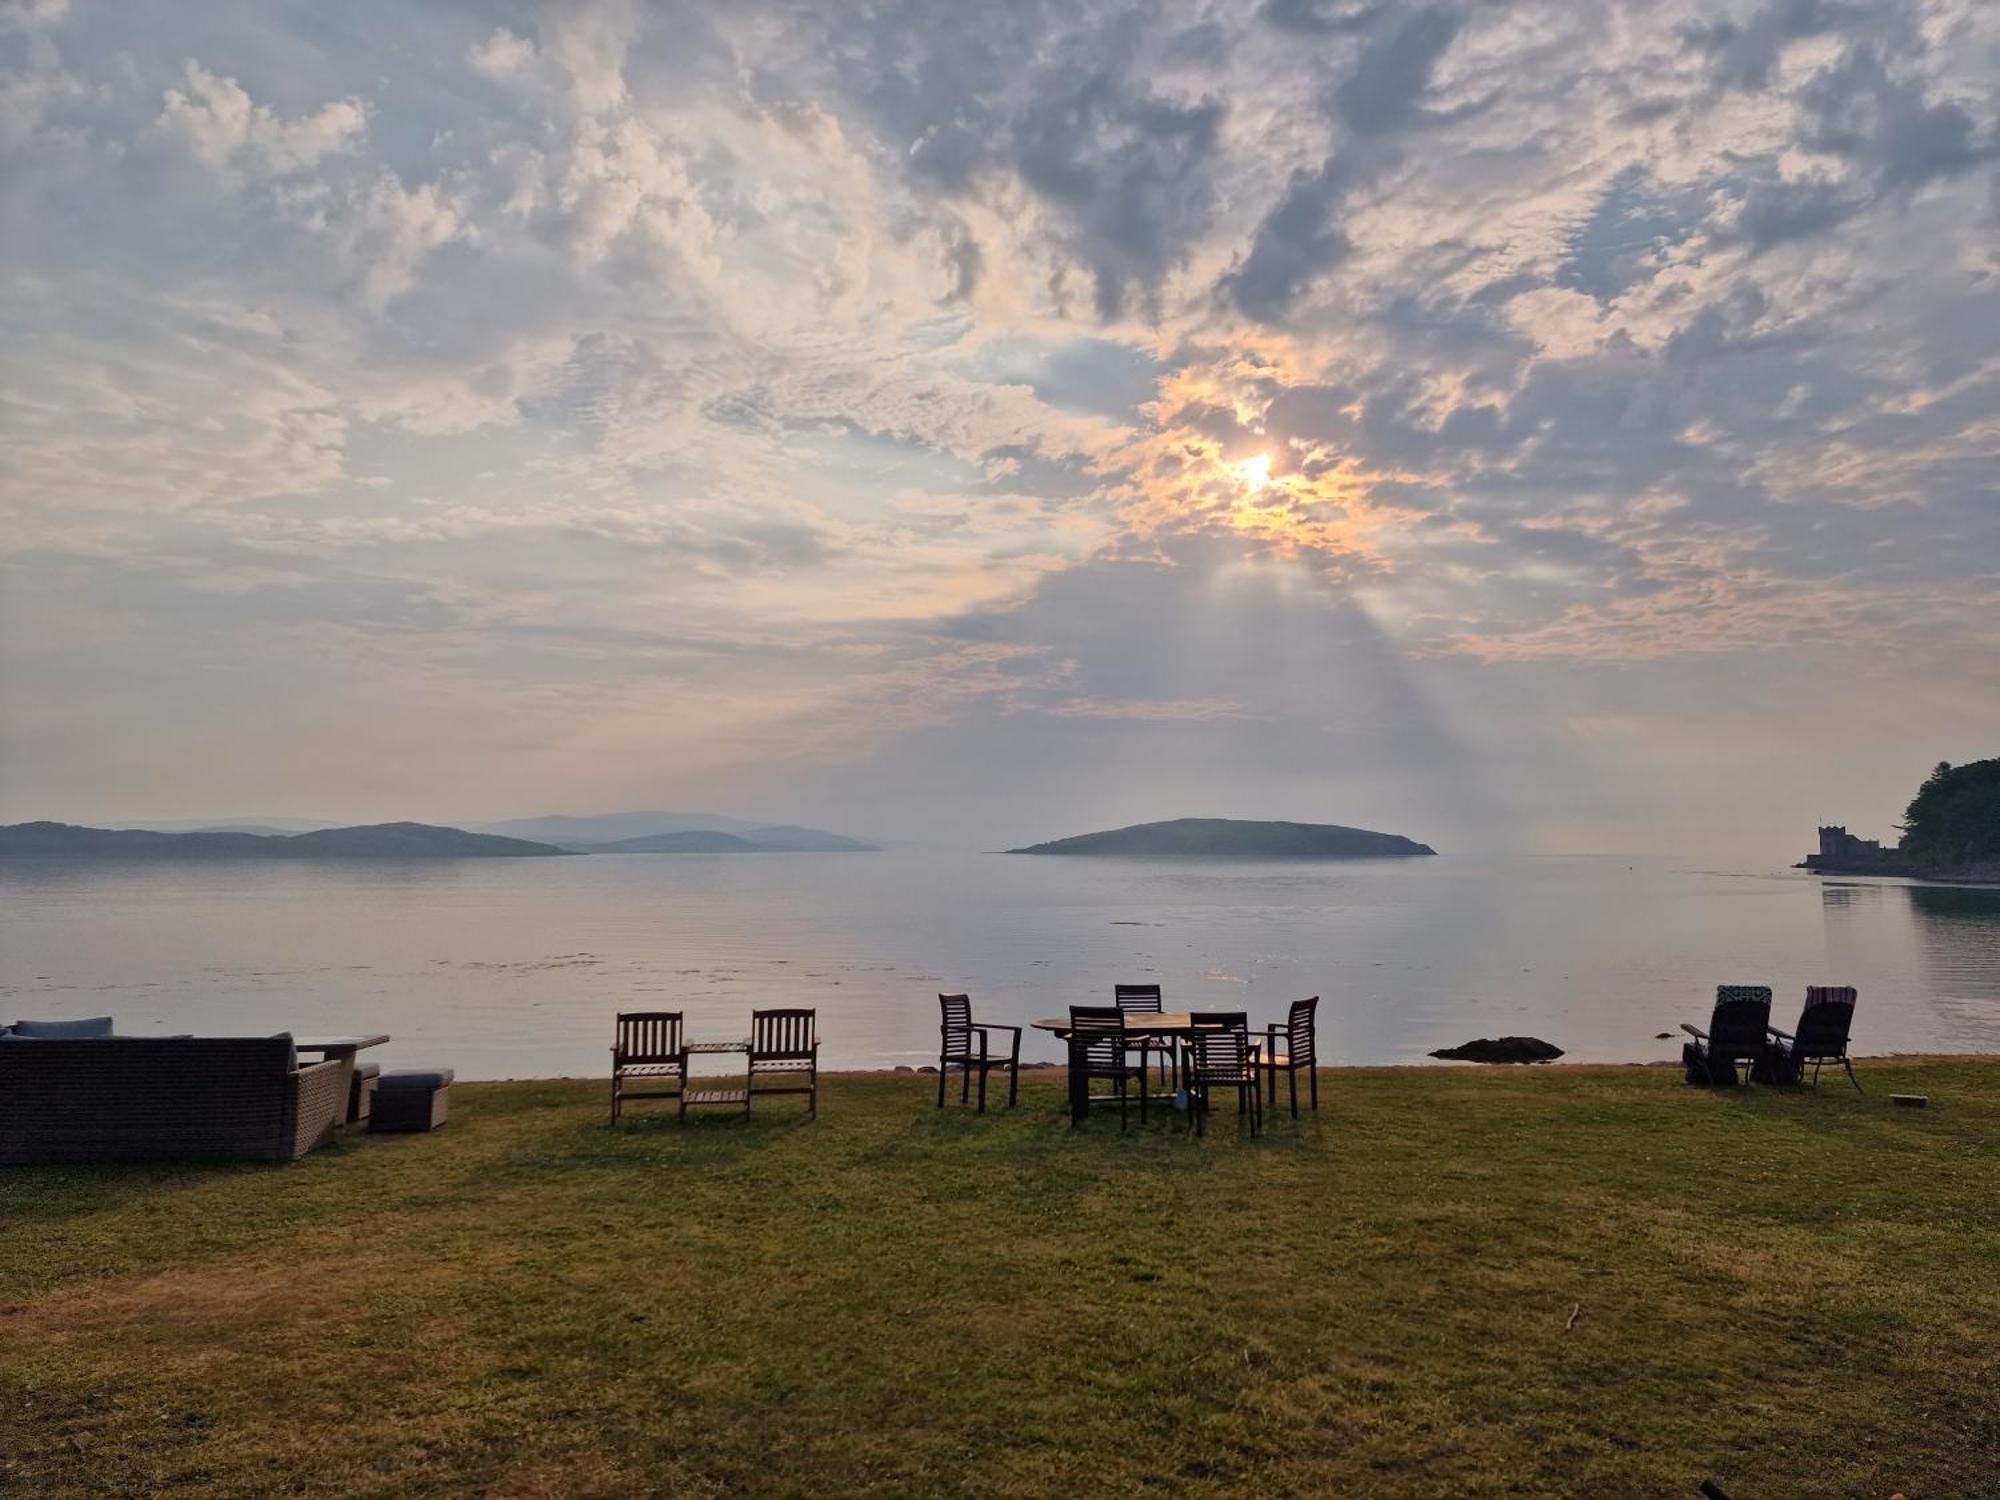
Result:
{"points": [[1164, 1025]]}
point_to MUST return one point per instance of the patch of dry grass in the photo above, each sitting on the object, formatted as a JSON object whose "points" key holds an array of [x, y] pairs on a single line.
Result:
{"points": [[1794, 1293]]}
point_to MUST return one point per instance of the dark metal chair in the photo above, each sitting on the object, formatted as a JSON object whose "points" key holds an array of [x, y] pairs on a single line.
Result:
{"points": [[1821, 1037], [1144, 1000], [1221, 1055], [1288, 1049], [649, 1046], [1099, 1048], [1735, 1034], [785, 1043], [957, 1051]]}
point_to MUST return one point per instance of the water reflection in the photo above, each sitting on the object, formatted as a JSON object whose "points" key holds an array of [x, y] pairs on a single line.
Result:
{"points": [[513, 967], [1958, 930]]}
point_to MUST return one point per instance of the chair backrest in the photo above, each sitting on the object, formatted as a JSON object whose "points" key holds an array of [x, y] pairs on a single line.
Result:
{"points": [[1736, 1029], [955, 1021], [1301, 1025], [1220, 1053], [783, 1033], [1138, 999], [148, 1098], [1824, 1023], [1211, 1020], [647, 1036], [1096, 1036]]}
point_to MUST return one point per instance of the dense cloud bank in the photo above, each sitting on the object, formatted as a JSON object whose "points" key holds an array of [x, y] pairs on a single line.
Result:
{"points": [[1467, 410]]}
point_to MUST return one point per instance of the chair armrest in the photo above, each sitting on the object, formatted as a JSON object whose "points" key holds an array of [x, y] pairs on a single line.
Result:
{"points": [[1785, 1034], [995, 1026], [1694, 1031], [317, 1106]]}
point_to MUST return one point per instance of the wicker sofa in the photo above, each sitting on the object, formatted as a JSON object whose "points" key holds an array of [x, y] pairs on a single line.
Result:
{"points": [[165, 1099]]}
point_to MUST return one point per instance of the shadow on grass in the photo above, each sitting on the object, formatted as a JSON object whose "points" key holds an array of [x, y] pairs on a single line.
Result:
{"points": [[71, 1190]]}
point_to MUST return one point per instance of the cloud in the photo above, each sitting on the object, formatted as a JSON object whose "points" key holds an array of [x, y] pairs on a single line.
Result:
{"points": [[1857, 109], [1384, 90], [218, 124], [1152, 385]]}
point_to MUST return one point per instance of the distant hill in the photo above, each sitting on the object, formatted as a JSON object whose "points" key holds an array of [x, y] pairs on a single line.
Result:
{"points": [[1231, 838], [611, 828], [789, 838], [781, 840], [376, 841], [693, 841], [249, 823], [624, 833]]}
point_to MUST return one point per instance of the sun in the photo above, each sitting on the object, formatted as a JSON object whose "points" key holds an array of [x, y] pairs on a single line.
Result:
{"points": [[1256, 472]]}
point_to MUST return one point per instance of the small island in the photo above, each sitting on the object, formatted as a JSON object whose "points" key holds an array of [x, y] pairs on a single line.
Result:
{"points": [[1233, 838], [374, 841]]}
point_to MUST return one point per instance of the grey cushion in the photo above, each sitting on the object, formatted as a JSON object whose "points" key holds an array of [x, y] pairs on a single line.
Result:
{"points": [[367, 1070], [415, 1078], [93, 1026]]}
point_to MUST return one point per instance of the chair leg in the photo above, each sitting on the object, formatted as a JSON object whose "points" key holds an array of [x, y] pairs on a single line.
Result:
{"points": [[1291, 1084], [982, 1088], [614, 1101], [1122, 1101], [944, 1071], [965, 1085], [1850, 1076], [1013, 1081]]}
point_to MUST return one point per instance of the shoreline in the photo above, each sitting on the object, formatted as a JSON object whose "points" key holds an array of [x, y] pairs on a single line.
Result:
{"points": [[1973, 875], [929, 1071]]}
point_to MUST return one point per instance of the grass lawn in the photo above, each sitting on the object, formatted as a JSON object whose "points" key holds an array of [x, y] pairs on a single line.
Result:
{"points": [[1555, 1281]]}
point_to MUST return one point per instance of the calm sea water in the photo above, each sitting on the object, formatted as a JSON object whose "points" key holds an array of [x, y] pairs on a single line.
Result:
{"points": [[514, 968]]}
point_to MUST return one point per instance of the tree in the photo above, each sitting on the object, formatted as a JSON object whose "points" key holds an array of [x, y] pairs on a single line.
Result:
{"points": [[1955, 817]]}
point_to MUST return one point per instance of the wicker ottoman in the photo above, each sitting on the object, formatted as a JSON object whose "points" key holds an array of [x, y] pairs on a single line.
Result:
{"points": [[361, 1091], [411, 1099]]}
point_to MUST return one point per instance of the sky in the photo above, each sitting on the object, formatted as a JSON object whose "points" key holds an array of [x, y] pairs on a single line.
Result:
{"points": [[1557, 427]]}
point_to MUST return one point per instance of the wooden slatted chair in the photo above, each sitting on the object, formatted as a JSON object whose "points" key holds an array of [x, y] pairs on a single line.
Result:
{"points": [[1208, 1020], [1735, 1034], [1821, 1037], [648, 1046], [1289, 1048], [959, 1032], [1145, 1000], [1223, 1056], [1099, 1048], [784, 1043]]}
